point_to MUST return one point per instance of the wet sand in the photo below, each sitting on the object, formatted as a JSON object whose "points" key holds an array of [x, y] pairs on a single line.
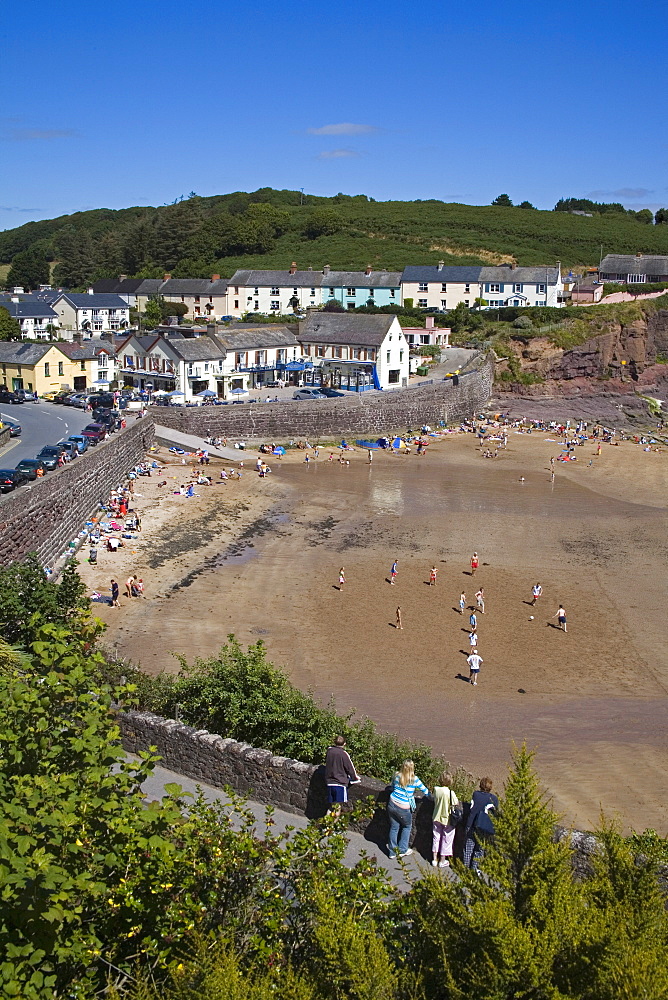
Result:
{"points": [[592, 702]]}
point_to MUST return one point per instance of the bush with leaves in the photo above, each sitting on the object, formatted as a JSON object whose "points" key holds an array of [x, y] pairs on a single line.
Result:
{"points": [[29, 600]]}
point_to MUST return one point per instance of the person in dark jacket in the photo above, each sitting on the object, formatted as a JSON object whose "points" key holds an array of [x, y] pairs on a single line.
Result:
{"points": [[339, 773], [479, 823]]}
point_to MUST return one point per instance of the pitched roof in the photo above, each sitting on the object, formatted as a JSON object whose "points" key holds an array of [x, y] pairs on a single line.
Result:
{"points": [[198, 348], [79, 352], [431, 272], [518, 275], [281, 279], [375, 279], [630, 264], [342, 328], [257, 336], [104, 300], [193, 286], [28, 308], [128, 286], [26, 352]]}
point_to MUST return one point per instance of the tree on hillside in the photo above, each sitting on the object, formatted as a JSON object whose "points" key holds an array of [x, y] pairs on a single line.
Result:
{"points": [[29, 269], [76, 258], [322, 222], [644, 215], [526, 204], [661, 217], [503, 200], [9, 327]]}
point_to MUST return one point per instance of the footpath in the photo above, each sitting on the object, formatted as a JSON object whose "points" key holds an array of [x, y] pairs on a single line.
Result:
{"points": [[401, 876], [190, 442]]}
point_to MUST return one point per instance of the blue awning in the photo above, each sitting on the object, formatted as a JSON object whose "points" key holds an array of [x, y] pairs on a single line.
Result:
{"points": [[294, 366]]}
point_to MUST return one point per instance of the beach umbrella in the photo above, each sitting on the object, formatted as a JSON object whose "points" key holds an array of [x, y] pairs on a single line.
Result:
{"points": [[101, 381], [238, 392], [161, 392], [176, 392], [207, 392]]}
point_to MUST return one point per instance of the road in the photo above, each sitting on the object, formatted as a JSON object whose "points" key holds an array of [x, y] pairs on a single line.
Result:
{"points": [[42, 423]]}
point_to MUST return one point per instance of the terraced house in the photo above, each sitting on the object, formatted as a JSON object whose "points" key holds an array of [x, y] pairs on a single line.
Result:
{"points": [[634, 269], [91, 313], [35, 317], [439, 288]]}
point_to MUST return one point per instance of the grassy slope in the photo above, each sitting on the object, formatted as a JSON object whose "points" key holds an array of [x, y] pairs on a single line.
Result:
{"points": [[393, 234]]}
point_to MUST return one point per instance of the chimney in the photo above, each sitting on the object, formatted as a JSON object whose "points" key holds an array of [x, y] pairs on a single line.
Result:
{"points": [[15, 298], [215, 277], [76, 338], [513, 265], [638, 255], [293, 267], [17, 290], [326, 269], [90, 291], [441, 264], [166, 277], [211, 329], [429, 323], [310, 268], [368, 269], [122, 277]]}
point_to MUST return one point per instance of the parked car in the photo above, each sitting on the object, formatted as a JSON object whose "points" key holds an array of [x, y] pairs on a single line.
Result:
{"points": [[49, 456], [7, 396], [14, 428], [10, 479], [70, 447], [329, 392], [29, 467], [80, 441], [95, 433], [78, 399], [105, 399], [308, 394], [110, 418], [26, 396], [61, 396]]}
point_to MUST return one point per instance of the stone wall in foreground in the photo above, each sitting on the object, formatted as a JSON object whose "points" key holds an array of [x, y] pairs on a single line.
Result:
{"points": [[372, 414], [51, 511], [288, 784]]}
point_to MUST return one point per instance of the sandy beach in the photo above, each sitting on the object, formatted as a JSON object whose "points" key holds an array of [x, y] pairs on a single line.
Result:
{"points": [[260, 558]]}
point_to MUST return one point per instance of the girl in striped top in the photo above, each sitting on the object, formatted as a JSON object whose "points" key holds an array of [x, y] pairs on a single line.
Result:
{"points": [[400, 807]]}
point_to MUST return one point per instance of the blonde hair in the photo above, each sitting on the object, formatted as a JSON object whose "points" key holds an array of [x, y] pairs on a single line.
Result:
{"points": [[445, 779], [406, 773]]}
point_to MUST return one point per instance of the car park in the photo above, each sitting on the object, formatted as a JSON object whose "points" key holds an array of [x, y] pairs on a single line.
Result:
{"points": [[10, 479], [29, 467], [7, 396], [49, 456], [308, 394], [94, 432], [14, 428], [80, 441]]}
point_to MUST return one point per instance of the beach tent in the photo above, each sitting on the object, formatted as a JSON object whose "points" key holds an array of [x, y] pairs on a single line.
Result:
{"points": [[398, 443]]}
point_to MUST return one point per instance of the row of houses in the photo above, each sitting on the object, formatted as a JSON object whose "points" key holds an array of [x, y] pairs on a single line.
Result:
{"points": [[355, 352]]}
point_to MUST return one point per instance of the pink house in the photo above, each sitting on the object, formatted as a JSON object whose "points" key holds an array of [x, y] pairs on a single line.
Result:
{"points": [[427, 336]]}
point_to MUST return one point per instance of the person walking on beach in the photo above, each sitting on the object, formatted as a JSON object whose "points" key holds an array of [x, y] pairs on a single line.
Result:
{"points": [[370, 454], [462, 603], [480, 600], [401, 806], [536, 592], [473, 639], [473, 621], [339, 774], [342, 578], [561, 616], [474, 660], [393, 572], [432, 576], [443, 827], [399, 622], [128, 585], [114, 594], [474, 563]]}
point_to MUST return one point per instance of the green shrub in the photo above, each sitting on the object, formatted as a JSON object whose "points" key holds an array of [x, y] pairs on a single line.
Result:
{"points": [[523, 323]]}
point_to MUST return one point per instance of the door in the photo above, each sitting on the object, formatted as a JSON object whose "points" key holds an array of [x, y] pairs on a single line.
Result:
{"points": [[17, 383]]}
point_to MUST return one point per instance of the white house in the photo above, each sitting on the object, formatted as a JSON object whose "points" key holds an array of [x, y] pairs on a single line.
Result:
{"points": [[206, 298], [261, 354], [91, 313], [35, 317], [356, 351], [440, 288]]}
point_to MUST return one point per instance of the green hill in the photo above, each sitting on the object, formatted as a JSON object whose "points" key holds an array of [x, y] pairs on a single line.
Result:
{"points": [[269, 228]]}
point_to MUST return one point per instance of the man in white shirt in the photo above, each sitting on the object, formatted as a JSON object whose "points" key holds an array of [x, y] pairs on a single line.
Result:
{"points": [[474, 660], [536, 591]]}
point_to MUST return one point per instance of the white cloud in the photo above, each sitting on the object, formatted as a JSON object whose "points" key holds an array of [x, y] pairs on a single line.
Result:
{"points": [[15, 208], [41, 134], [337, 154], [343, 128]]}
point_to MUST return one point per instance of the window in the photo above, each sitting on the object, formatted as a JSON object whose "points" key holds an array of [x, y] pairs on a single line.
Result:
{"points": [[257, 305], [351, 304], [371, 293], [392, 293], [350, 291], [401, 356], [466, 302], [47, 369], [467, 289], [239, 359], [83, 366], [518, 288], [424, 338], [61, 369], [331, 293], [320, 352], [422, 303], [410, 339], [540, 289], [444, 287], [236, 289], [197, 298], [337, 352], [388, 357], [423, 286], [312, 292], [295, 291], [281, 356], [495, 288], [356, 353], [275, 305], [236, 303], [275, 291], [256, 290], [444, 303], [495, 303]]}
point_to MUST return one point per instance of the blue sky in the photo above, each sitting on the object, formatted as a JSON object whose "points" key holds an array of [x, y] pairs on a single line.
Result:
{"points": [[117, 104]]}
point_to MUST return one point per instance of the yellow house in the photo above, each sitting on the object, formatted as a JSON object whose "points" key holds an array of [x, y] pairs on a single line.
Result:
{"points": [[39, 367]]}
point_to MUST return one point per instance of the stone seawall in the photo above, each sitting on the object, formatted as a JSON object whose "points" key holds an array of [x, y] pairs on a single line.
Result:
{"points": [[288, 784], [368, 413], [53, 510]]}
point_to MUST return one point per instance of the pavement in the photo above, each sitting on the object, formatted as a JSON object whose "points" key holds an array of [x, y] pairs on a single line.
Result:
{"points": [[42, 423], [400, 874], [189, 442]]}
